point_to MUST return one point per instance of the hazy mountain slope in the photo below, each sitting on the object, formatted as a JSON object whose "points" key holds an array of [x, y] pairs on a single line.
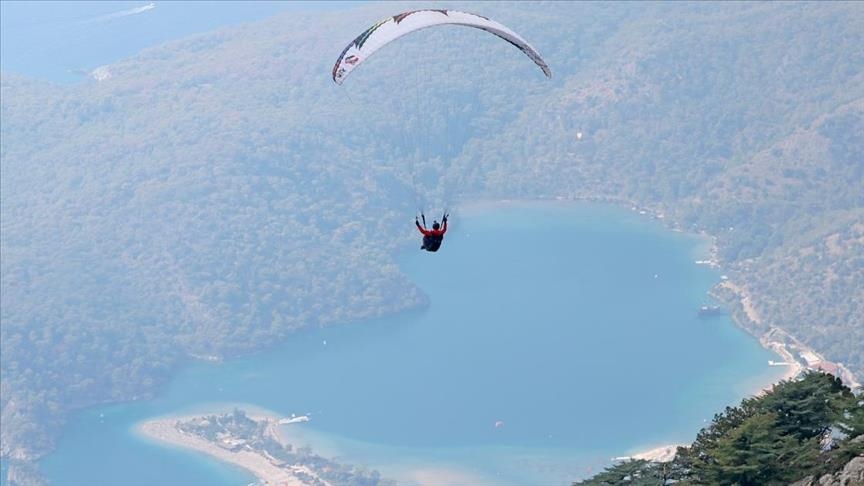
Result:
{"points": [[215, 193]]}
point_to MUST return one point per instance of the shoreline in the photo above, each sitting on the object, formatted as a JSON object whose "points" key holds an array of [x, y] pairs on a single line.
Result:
{"points": [[797, 356], [165, 430], [767, 341], [268, 470], [664, 453]]}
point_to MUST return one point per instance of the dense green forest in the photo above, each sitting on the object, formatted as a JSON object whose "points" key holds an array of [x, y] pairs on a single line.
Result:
{"points": [[800, 429], [219, 192]]}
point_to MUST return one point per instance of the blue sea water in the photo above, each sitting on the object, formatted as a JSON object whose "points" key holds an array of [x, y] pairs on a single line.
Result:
{"points": [[573, 325], [61, 41]]}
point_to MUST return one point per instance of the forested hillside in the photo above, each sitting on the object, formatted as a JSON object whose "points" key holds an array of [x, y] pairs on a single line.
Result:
{"points": [[214, 194], [800, 430]]}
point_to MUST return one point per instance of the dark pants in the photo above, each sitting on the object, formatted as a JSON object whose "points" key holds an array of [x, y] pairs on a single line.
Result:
{"points": [[432, 243]]}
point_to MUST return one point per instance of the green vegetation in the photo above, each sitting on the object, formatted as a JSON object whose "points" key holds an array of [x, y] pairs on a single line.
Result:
{"points": [[217, 193], [236, 431], [800, 428], [635, 472]]}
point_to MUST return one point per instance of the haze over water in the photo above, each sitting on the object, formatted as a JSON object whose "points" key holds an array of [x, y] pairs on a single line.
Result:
{"points": [[63, 41], [574, 325]]}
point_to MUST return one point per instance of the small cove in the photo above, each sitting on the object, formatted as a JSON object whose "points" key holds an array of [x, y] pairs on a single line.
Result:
{"points": [[574, 325]]}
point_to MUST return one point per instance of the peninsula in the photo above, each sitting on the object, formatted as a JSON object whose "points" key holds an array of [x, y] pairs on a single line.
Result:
{"points": [[253, 443]]}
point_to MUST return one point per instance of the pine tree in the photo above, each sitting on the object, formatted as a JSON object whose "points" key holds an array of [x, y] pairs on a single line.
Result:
{"points": [[757, 453], [808, 407]]}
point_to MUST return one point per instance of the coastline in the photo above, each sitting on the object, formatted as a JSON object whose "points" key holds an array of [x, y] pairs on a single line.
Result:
{"points": [[771, 340], [735, 296], [794, 354], [664, 453], [271, 471], [165, 430], [767, 340]]}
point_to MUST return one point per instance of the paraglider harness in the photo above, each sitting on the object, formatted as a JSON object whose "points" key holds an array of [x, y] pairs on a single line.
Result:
{"points": [[432, 238]]}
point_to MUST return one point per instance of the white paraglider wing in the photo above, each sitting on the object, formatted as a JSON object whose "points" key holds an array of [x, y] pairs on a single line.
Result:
{"points": [[392, 28]]}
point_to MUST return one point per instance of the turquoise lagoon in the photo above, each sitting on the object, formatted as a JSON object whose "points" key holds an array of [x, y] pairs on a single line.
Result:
{"points": [[575, 325]]}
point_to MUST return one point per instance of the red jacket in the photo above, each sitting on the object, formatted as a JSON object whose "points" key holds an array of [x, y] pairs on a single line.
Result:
{"points": [[432, 232]]}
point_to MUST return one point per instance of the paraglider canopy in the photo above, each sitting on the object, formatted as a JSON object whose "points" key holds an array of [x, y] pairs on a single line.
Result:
{"points": [[391, 28]]}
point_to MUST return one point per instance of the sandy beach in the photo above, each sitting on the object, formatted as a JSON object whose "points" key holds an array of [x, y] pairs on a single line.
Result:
{"points": [[663, 453], [660, 454], [165, 430]]}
